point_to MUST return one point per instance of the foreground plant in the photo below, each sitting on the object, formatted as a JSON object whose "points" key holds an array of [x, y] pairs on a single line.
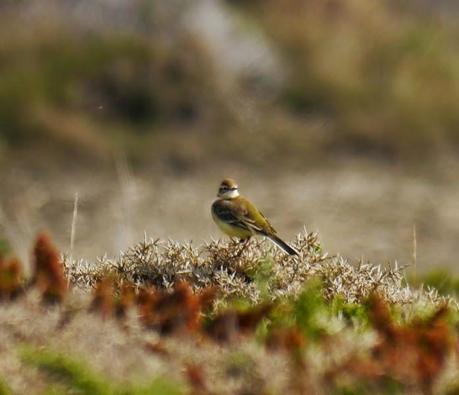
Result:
{"points": [[326, 327]]}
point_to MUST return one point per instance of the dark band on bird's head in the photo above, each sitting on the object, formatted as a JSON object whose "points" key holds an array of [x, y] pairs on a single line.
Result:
{"points": [[228, 183]]}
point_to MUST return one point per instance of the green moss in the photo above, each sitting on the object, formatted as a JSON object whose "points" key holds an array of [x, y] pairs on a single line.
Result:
{"points": [[263, 277], [354, 313], [441, 279], [307, 308], [4, 247], [4, 388], [62, 369], [77, 377]]}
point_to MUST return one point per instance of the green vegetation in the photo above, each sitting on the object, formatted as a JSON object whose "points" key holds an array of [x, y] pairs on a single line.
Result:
{"points": [[4, 388], [441, 279], [308, 308], [74, 374], [78, 378], [4, 247]]}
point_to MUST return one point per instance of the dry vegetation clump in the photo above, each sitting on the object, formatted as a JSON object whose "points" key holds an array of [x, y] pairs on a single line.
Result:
{"points": [[48, 274], [256, 271], [11, 278], [414, 354], [165, 337]]}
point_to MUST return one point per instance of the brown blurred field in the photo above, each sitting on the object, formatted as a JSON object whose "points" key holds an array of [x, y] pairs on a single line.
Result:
{"points": [[340, 116], [360, 210]]}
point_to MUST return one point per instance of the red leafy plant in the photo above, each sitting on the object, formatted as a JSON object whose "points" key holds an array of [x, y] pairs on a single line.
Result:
{"points": [[11, 278], [48, 272], [229, 325], [413, 354], [103, 299], [109, 301], [172, 312]]}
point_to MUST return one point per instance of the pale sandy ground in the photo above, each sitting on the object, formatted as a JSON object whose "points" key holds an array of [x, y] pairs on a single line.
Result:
{"points": [[360, 210]]}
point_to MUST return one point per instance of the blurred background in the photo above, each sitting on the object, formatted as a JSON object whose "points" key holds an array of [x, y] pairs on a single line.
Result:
{"points": [[341, 116]]}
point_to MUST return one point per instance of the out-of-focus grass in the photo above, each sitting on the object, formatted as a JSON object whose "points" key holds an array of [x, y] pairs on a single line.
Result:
{"points": [[4, 247], [92, 93], [441, 279], [74, 374], [355, 78], [387, 76], [4, 388]]}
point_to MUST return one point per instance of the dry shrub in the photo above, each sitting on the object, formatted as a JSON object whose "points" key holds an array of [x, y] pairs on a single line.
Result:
{"points": [[257, 271]]}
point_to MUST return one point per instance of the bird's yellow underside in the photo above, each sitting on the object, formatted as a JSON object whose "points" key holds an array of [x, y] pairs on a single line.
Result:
{"points": [[230, 230]]}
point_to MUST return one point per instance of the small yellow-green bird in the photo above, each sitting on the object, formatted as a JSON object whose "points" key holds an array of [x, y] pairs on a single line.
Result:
{"points": [[238, 217]]}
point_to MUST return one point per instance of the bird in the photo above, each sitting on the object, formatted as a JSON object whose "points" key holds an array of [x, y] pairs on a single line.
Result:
{"points": [[237, 217]]}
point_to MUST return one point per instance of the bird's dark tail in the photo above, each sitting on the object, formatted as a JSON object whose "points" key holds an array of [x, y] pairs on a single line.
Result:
{"points": [[282, 245]]}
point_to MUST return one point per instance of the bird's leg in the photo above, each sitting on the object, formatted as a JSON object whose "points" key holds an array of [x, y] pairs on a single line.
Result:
{"points": [[244, 243]]}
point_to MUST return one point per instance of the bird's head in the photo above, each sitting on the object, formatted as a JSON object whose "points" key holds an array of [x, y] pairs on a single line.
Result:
{"points": [[228, 189]]}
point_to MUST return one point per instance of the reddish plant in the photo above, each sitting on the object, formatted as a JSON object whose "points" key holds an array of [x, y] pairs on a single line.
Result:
{"points": [[125, 301], [230, 324], [157, 348], [103, 301], [196, 378], [423, 346], [11, 277], [289, 339], [48, 272], [434, 341], [170, 312]]}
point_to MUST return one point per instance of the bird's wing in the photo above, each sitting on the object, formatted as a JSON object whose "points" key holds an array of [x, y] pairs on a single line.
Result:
{"points": [[268, 225], [236, 214], [256, 217]]}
